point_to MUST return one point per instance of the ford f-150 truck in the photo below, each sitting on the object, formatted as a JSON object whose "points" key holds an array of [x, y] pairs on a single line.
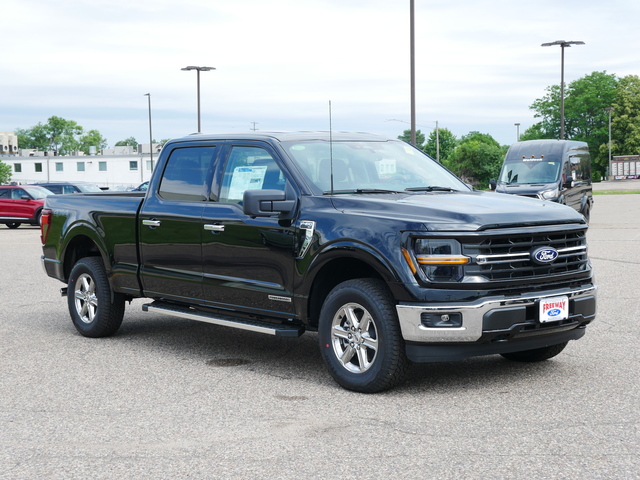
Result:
{"points": [[384, 253]]}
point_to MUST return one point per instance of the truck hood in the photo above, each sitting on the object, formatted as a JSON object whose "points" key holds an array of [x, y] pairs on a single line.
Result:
{"points": [[458, 211]]}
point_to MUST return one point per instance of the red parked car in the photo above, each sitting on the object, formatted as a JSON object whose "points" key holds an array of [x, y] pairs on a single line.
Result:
{"points": [[21, 204]]}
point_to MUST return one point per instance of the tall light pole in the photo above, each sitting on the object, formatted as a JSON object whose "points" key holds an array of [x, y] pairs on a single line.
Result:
{"points": [[198, 70], [563, 45], [413, 73], [610, 110], [150, 134], [517, 131]]}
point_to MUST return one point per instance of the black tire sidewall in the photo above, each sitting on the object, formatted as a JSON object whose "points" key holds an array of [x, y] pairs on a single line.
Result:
{"points": [[390, 362]]}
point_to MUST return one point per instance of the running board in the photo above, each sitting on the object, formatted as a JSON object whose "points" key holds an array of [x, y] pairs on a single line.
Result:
{"points": [[224, 320]]}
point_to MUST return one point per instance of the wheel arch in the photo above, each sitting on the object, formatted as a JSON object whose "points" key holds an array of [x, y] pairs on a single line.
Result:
{"points": [[79, 246], [338, 265]]}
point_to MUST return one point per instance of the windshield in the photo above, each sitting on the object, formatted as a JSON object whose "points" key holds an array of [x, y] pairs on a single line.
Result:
{"points": [[88, 188], [370, 167], [38, 192], [533, 171]]}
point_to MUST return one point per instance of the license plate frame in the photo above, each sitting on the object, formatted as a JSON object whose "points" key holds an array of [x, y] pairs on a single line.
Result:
{"points": [[553, 309]]}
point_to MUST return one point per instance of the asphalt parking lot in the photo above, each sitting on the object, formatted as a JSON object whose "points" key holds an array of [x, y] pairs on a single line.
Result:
{"points": [[172, 399]]}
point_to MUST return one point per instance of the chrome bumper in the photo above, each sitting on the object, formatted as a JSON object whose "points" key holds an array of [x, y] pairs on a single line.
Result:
{"points": [[473, 314]]}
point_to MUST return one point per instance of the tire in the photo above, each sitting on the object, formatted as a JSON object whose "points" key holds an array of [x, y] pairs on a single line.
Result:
{"points": [[536, 355], [95, 310], [360, 338], [586, 213], [13, 225]]}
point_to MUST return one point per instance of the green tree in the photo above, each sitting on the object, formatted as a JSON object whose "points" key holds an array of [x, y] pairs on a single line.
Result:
{"points": [[477, 159], [63, 134], [35, 137], [420, 138], [92, 138], [625, 120], [584, 112], [448, 142], [58, 134], [128, 142], [5, 173]]}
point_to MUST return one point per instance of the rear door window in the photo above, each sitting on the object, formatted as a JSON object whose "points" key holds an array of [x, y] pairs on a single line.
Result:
{"points": [[184, 177]]}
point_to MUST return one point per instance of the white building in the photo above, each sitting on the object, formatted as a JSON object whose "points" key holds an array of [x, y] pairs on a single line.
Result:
{"points": [[116, 172]]}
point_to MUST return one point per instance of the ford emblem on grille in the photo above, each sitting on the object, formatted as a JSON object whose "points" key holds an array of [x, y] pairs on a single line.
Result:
{"points": [[544, 255]]}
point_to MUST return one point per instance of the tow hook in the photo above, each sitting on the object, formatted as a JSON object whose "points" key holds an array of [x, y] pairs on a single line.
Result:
{"points": [[63, 291]]}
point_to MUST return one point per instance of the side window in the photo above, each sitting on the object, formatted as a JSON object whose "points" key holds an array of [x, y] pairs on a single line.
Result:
{"points": [[17, 193], [5, 193], [249, 168], [68, 189], [184, 176]]}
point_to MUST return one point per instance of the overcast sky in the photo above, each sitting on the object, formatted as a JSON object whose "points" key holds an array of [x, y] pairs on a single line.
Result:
{"points": [[479, 64]]}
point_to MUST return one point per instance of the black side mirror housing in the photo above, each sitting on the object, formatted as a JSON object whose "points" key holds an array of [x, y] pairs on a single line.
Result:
{"points": [[266, 203]]}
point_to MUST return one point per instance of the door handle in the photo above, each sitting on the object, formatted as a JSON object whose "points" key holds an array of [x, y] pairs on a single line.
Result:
{"points": [[214, 228], [151, 223]]}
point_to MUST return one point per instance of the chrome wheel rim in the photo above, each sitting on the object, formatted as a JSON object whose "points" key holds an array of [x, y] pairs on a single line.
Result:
{"points": [[354, 338], [85, 298]]}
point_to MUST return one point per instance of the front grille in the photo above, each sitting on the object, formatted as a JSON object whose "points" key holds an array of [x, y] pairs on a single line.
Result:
{"points": [[507, 258]]}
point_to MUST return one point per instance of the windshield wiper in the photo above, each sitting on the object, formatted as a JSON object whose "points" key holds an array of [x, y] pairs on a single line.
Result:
{"points": [[361, 190], [430, 188]]}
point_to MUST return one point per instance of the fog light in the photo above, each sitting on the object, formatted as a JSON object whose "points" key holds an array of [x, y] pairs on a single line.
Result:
{"points": [[441, 320]]}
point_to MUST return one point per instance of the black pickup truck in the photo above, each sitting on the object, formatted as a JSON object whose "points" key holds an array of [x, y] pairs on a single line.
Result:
{"points": [[366, 240]]}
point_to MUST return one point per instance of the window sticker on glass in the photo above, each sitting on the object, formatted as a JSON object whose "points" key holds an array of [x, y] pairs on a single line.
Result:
{"points": [[246, 178]]}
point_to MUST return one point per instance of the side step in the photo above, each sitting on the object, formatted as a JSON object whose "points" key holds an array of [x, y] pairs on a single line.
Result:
{"points": [[224, 320]]}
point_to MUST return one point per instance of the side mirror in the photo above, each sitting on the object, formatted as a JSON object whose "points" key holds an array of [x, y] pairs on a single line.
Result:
{"points": [[25, 197], [266, 203], [493, 184]]}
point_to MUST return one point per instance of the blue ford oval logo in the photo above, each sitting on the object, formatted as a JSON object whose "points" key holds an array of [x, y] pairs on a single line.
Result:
{"points": [[544, 255], [554, 313]]}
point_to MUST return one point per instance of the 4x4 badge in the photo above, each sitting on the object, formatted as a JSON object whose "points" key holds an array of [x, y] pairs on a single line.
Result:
{"points": [[544, 255]]}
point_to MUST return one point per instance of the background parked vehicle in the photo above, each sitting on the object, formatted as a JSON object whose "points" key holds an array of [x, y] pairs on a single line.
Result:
{"points": [[70, 187], [21, 204], [554, 170]]}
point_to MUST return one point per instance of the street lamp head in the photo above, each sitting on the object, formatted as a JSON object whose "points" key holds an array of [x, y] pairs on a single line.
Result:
{"points": [[563, 43], [200, 69]]}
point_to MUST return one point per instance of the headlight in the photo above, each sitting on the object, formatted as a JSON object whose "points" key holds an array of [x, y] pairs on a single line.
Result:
{"points": [[549, 194], [440, 260]]}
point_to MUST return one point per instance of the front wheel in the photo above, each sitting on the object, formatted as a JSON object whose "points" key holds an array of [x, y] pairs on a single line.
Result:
{"points": [[537, 354], [95, 310], [360, 338], [13, 225]]}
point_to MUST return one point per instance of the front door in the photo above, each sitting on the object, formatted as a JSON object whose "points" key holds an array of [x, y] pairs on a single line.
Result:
{"points": [[247, 263]]}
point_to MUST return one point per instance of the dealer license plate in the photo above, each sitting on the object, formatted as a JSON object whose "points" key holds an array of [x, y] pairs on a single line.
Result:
{"points": [[554, 309]]}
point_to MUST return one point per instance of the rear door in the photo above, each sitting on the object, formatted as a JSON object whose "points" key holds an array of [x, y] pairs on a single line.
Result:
{"points": [[5, 201], [247, 262], [170, 225]]}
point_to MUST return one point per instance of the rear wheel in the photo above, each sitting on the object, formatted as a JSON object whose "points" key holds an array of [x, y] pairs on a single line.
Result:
{"points": [[95, 310], [13, 225], [360, 338], [536, 355]]}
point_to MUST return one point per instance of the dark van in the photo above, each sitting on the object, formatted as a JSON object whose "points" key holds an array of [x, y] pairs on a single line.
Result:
{"points": [[554, 170]]}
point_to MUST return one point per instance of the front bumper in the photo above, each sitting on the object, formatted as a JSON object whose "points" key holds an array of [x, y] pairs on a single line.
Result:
{"points": [[496, 319]]}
